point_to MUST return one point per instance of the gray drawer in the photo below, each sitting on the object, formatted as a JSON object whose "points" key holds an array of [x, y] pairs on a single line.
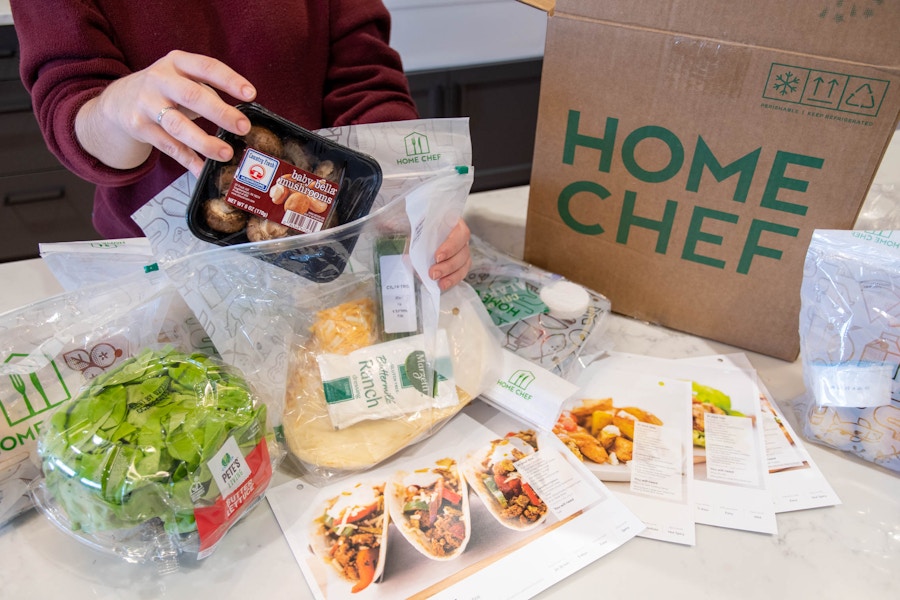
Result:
{"points": [[22, 148], [53, 206], [9, 53]]}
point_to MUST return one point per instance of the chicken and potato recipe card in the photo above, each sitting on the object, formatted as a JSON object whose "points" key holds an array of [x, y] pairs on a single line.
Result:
{"points": [[731, 479], [632, 429]]}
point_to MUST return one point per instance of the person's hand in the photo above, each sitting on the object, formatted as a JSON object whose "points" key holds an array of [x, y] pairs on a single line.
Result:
{"points": [[452, 259], [155, 107]]}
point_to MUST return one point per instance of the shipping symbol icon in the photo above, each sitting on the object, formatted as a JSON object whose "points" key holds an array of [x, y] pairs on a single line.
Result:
{"points": [[29, 392], [841, 92]]}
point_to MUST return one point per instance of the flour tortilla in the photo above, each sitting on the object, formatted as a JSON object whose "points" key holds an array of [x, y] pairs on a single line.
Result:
{"points": [[394, 499], [310, 437], [472, 469], [320, 545]]}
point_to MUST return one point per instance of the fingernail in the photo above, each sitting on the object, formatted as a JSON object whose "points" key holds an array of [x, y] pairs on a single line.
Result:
{"points": [[248, 92], [439, 258], [435, 275], [243, 126]]}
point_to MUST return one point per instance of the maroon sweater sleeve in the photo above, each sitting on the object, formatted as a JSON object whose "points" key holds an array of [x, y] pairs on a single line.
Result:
{"points": [[318, 63], [365, 82], [67, 57]]}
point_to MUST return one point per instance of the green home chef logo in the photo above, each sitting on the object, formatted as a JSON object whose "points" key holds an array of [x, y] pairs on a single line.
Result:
{"points": [[786, 175], [881, 238], [418, 150], [26, 395], [518, 383]]}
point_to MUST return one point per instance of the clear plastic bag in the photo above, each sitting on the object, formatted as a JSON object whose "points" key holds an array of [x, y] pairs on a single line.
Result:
{"points": [[126, 422], [156, 458], [850, 343], [82, 263], [511, 290], [282, 292], [50, 349]]}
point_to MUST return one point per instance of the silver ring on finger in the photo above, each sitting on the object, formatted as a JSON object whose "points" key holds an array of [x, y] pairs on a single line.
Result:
{"points": [[162, 113]]}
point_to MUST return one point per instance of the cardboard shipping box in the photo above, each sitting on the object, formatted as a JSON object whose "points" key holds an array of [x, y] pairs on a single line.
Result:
{"points": [[686, 150]]}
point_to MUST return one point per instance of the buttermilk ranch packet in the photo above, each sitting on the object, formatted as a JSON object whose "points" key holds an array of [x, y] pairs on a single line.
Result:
{"points": [[387, 380]]}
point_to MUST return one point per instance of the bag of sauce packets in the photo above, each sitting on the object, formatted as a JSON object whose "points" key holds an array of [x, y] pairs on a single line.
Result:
{"points": [[284, 181]]}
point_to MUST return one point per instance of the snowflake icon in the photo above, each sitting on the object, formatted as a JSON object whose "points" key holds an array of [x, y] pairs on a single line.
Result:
{"points": [[786, 83]]}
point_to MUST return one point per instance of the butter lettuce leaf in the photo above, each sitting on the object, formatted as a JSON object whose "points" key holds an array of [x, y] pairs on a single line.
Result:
{"points": [[133, 445]]}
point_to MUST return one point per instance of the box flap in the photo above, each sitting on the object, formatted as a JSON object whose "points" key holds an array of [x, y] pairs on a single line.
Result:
{"points": [[544, 5], [864, 31]]}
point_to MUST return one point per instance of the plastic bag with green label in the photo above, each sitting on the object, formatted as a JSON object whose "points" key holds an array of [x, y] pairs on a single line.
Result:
{"points": [[126, 427], [563, 342], [372, 356]]}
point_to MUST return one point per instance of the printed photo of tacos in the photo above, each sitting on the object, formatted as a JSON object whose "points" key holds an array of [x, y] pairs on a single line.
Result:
{"points": [[350, 534], [492, 473], [430, 508]]}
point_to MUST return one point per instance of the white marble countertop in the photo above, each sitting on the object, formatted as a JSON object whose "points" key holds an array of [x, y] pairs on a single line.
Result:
{"points": [[849, 550]]}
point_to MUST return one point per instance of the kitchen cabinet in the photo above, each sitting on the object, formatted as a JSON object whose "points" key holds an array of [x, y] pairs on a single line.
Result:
{"points": [[501, 101], [40, 201]]}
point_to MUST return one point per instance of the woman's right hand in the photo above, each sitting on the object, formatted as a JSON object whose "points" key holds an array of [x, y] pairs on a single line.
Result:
{"points": [[155, 108]]}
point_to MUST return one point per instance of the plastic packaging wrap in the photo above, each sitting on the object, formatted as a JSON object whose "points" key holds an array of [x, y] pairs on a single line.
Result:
{"points": [[49, 349], [561, 342], [155, 458], [82, 263], [464, 368], [122, 416], [850, 343], [295, 321], [881, 209]]}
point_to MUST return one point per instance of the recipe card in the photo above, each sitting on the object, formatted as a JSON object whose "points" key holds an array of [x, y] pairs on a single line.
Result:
{"points": [[632, 429], [453, 516], [731, 479], [795, 482]]}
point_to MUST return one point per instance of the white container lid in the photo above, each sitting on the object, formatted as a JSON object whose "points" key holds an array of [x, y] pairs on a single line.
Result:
{"points": [[566, 300]]}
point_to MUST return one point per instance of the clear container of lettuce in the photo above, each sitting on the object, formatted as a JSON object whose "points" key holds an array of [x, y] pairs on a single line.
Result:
{"points": [[155, 459]]}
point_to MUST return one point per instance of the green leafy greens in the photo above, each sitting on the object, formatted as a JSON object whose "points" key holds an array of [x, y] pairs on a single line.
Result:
{"points": [[134, 444]]}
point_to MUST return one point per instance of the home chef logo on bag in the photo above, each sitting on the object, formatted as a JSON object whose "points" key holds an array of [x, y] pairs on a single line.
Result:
{"points": [[228, 467], [880, 238], [417, 150], [788, 172], [518, 383], [530, 392], [27, 394]]}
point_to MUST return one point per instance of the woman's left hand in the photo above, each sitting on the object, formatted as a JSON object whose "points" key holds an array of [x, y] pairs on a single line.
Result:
{"points": [[452, 259]]}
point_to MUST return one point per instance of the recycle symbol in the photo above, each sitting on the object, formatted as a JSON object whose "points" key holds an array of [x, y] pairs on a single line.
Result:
{"points": [[862, 97]]}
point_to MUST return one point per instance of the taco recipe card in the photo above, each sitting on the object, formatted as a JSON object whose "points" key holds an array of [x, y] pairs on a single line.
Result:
{"points": [[452, 516]]}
